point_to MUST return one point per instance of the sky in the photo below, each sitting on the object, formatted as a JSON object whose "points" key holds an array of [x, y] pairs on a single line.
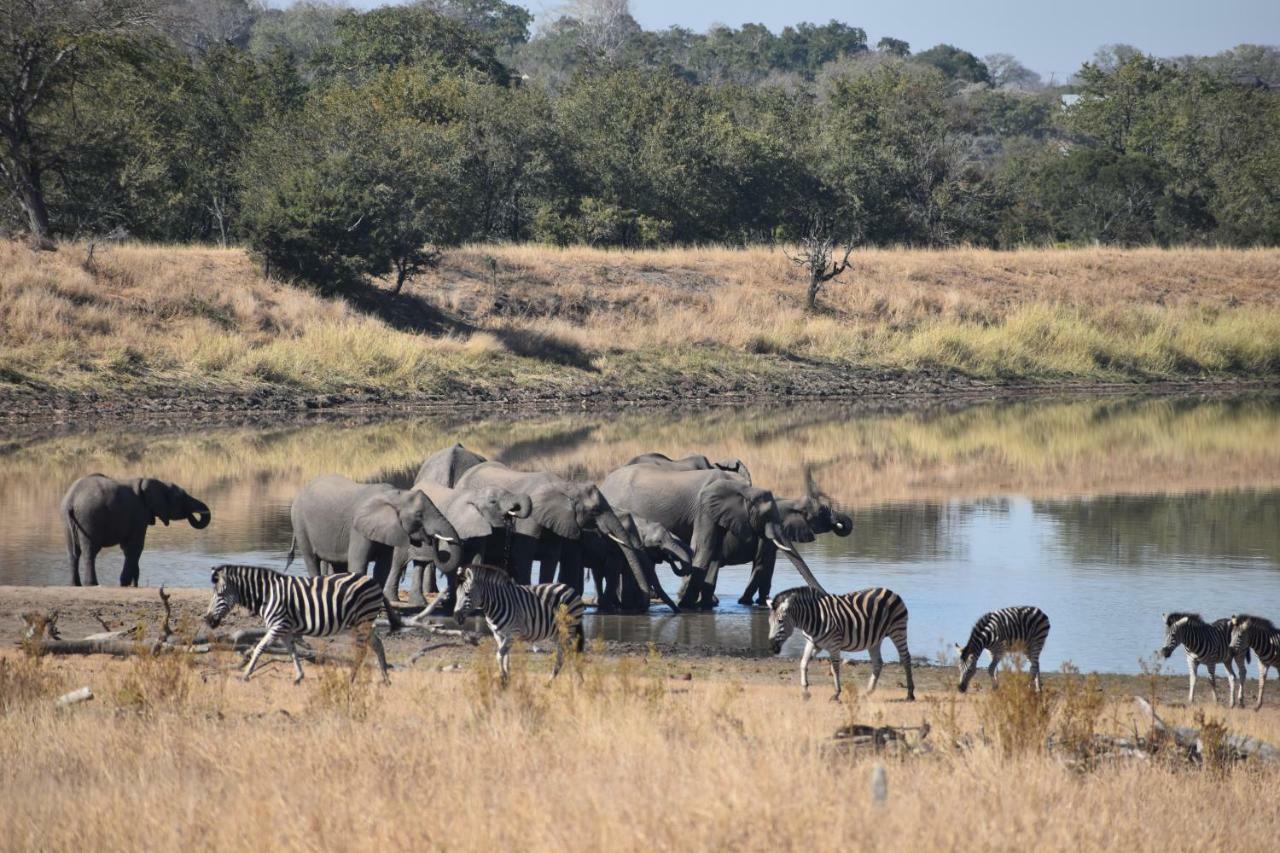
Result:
{"points": [[1052, 38]]}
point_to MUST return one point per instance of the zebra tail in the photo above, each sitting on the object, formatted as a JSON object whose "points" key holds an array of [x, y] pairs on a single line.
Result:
{"points": [[579, 639], [392, 616]]}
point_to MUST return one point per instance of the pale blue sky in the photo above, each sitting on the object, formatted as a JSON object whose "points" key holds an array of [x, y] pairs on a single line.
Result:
{"points": [[1049, 37]]}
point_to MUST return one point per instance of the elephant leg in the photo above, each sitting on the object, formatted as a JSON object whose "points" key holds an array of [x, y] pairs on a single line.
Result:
{"points": [[309, 558], [523, 551], [73, 553], [132, 571], [382, 561], [429, 577], [629, 597], [691, 589], [548, 559], [395, 573], [757, 591], [417, 570], [571, 566], [88, 567], [707, 598]]}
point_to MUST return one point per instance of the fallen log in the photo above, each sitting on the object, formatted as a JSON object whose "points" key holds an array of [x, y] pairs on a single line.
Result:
{"points": [[1230, 747], [83, 694]]}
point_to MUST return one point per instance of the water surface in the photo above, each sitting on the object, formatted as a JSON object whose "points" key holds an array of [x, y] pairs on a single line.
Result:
{"points": [[1105, 513]]}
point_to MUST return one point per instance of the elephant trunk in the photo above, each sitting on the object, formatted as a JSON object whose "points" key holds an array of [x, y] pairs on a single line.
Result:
{"points": [[647, 580], [679, 555], [776, 536], [842, 524], [199, 516], [447, 555]]}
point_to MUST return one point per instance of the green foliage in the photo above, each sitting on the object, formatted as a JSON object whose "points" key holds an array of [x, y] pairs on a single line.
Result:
{"points": [[341, 144]]}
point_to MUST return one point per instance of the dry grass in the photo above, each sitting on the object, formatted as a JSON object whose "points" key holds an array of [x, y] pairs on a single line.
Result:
{"points": [[204, 318], [625, 758]]}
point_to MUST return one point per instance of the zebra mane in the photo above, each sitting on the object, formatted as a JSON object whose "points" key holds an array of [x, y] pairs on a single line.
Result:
{"points": [[490, 574], [1193, 618], [241, 570], [1259, 622], [804, 593]]}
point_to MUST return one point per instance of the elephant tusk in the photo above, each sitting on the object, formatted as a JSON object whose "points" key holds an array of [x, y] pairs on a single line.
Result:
{"points": [[782, 547], [621, 542], [446, 539]]}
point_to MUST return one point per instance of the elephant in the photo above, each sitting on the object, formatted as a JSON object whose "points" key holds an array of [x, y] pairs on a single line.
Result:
{"points": [[693, 462], [722, 516], [100, 512], [615, 588], [475, 514], [562, 510], [347, 524], [803, 519]]}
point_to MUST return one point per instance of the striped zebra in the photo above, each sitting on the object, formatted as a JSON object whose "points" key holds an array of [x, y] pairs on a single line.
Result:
{"points": [[296, 606], [1023, 628], [1260, 635], [529, 613], [1208, 644], [852, 622]]}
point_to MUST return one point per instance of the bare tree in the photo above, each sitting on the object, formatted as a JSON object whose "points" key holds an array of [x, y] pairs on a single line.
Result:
{"points": [[816, 254], [42, 44], [603, 25], [1008, 73]]}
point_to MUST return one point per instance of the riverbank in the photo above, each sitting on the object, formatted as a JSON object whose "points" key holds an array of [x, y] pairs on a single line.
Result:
{"points": [[656, 748], [195, 330]]}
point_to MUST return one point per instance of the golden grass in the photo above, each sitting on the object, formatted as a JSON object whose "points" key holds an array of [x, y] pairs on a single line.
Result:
{"points": [[627, 757], [204, 318]]}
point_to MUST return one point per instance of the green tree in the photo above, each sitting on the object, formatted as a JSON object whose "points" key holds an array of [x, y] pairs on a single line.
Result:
{"points": [[954, 63]]}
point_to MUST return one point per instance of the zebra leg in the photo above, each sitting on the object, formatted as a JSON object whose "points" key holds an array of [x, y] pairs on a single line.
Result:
{"points": [[266, 640], [293, 652], [1262, 683], [375, 643], [559, 662], [834, 661], [1192, 666], [904, 658], [991, 670], [1231, 682], [1035, 670], [877, 666], [504, 656], [809, 649], [1213, 681]]}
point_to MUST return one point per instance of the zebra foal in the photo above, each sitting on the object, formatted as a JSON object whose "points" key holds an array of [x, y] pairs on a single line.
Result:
{"points": [[852, 622], [1022, 628], [296, 606], [529, 613], [1260, 635], [1208, 644]]}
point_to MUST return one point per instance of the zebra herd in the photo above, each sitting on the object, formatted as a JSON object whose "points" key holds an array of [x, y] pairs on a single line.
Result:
{"points": [[858, 621]]}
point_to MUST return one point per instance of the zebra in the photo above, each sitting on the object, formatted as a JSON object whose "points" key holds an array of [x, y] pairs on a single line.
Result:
{"points": [[1260, 635], [529, 613], [1207, 644], [1024, 627], [294, 606], [852, 622]]}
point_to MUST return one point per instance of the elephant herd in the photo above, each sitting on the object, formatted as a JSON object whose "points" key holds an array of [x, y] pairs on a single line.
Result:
{"points": [[694, 514]]}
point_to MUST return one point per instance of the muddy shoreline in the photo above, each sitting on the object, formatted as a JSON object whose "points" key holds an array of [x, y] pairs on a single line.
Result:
{"points": [[869, 391]]}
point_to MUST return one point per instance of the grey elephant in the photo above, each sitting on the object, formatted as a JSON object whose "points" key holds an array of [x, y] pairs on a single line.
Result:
{"points": [[346, 524], [693, 462], [101, 512], [562, 510], [476, 514], [803, 520], [615, 588], [723, 518]]}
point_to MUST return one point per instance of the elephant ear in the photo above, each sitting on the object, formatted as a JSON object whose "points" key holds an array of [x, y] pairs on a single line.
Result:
{"points": [[724, 501], [379, 520], [468, 521], [155, 496], [554, 510]]}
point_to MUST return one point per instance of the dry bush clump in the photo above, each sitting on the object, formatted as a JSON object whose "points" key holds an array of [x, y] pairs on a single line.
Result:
{"points": [[24, 680], [1016, 717], [160, 681]]}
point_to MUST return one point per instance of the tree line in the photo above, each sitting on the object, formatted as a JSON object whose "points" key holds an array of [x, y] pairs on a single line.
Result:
{"points": [[338, 144]]}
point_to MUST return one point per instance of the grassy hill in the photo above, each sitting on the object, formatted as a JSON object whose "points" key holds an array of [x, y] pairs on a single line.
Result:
{"points": [[526, 322]]}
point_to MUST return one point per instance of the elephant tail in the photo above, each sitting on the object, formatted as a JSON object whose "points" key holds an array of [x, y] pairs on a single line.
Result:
{"points": [[393, 617], [293, 552]]}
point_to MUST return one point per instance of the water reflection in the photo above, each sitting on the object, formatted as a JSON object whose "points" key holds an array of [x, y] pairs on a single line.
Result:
{"points": [[1103, 512]]}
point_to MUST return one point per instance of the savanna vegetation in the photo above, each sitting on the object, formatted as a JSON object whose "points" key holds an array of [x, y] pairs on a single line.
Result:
{"points": [[624, 751]]}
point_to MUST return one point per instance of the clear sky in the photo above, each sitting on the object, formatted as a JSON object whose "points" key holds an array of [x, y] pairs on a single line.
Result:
{"points": [[1052, 38]]}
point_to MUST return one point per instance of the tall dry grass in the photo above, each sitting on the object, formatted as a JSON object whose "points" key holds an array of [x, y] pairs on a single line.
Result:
{"points": [[204, 318], [625, 758]]}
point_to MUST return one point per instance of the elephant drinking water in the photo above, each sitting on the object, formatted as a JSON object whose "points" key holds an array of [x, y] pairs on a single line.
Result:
{"points": [[100, 512]]}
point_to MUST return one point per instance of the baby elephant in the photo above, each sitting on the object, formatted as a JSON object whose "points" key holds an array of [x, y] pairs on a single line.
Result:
{"points": [[100, 512]]}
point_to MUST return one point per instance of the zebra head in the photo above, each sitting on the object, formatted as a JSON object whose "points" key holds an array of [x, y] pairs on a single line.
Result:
{"points": [[780, 621], [462, 606], [967, 662], [1242, 626], [225, 596], [1174, 624]]}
